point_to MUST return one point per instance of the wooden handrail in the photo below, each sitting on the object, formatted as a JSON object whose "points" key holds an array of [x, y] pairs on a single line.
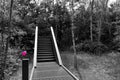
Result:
{"points": [[31, 75], [56, 46], [70, 73], [35, 53], [35, 47], [58, 55]]}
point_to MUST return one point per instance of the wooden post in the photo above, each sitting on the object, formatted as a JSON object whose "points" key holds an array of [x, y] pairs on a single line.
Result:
{"points": [[25, 69]]}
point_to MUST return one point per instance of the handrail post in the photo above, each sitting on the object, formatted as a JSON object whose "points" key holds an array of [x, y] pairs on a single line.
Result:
{"points": [[56, 46], [35, 47], [25, 69]]}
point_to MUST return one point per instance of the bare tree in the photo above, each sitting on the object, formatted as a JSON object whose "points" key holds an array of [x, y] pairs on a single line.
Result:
{"points": [[73, 40], [102, 12], [91, 19]]}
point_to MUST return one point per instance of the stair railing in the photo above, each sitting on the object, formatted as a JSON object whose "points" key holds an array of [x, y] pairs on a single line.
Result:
{"points": [[58, 55], [35, 53], [56, 46], [35, 47]]}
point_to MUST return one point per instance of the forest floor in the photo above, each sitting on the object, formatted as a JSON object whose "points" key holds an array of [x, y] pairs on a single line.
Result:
{"points": [[91, 67]]}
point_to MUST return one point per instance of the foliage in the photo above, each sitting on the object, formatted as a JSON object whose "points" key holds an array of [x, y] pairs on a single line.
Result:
{"points": [[12, 63], [92, 47], [47, 14], [104, 21]]}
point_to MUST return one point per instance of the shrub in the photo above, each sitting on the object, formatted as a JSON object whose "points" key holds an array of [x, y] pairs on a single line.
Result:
{"points": [[100, 48], [115, 46], [92, 47]]}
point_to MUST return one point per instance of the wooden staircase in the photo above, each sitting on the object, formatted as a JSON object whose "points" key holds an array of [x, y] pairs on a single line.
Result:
{"points": [[47, 61], [45, 51]]}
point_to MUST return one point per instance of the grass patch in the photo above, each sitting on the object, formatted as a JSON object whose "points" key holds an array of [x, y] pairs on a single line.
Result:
{"points": [[92, 67]]}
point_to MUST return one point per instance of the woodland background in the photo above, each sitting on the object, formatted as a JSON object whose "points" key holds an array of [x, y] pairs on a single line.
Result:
{"points": [[95, 26]]}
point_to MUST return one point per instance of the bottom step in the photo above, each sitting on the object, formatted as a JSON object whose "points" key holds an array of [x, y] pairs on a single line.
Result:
{"points": [[46, 60]]}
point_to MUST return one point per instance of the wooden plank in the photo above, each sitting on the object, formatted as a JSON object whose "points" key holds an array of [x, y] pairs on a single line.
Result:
{"points": [[50, 71], [47, 68], [55, 78], [47, 64], [49, 74]]}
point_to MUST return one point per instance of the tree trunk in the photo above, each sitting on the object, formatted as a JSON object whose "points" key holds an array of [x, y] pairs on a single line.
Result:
{"points": [[7, 40], [73, 41], [74, 49], [73, 38], [106, 18], [91, 20], [99, 32], [2, 37], [91, 35]]}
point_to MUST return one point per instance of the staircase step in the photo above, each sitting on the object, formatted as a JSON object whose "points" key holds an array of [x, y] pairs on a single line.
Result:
{"points": [[44, 48], [44, 42], [39, 38], [45, 52], [45, 57], [45, 60], [45, 45], [44, 36], [52, 55]]}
